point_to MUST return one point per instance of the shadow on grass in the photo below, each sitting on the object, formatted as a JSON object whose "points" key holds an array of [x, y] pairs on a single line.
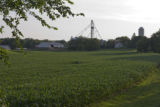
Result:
{"points": [[130, 55], [146, 94], [143, 96], [151, 58], [117, 53]]}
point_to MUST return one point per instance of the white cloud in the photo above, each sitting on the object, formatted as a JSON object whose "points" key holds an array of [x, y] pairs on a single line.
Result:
{"points": [[129, 10]]}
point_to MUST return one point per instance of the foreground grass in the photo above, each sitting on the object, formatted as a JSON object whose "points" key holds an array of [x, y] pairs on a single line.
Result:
{"points": [[145, 94], [72, 79]]}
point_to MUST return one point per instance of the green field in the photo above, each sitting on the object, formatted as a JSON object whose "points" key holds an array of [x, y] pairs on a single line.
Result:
{"points": [[72, 79], [144, 94]]}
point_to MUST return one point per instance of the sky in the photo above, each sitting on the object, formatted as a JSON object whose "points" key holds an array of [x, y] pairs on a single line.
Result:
{"points": [[113, 18]]}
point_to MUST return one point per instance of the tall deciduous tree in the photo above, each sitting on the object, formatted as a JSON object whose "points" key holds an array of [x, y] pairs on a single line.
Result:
{"points": [[143, 45], [155, 42], [82, 44], [124, 40], [13, 11]]}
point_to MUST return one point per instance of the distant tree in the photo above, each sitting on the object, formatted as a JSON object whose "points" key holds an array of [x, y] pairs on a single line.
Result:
{"points": [[30, 43], [27, 43], [155, 42], [93, 44], [143, 45], [9, 41], [77, 43], [13, 11], [103, 44], [124, 40], [82, 43], [134, 40], [62, 41], [110, 44]]}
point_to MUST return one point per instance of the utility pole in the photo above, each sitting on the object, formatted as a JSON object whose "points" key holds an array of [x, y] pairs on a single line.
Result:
{"points": [[92, 29]]}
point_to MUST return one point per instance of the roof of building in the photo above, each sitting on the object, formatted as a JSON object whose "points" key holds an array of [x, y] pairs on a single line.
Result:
{"points": [[5, 47], [46, 44]]}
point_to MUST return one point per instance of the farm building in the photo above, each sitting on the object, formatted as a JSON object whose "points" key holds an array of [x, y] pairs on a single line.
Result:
{"points": [[50, 45], [119, 45], [7, 47]]}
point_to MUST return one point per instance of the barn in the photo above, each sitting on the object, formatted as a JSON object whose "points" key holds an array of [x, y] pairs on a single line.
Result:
{"points": [[50, 45]]}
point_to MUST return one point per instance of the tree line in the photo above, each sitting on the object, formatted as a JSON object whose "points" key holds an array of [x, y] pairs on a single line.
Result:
{"points": [[83, 43], [141, 43], [28, 43]]}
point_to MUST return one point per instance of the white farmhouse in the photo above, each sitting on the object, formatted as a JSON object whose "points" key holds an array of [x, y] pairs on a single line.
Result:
{"points": [[50, 45], [119, 45]]}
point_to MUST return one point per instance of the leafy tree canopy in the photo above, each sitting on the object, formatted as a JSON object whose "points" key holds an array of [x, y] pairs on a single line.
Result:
{"points": [[155, 42], [143, 44], [83, 44], [13, 11], [124, 39]]}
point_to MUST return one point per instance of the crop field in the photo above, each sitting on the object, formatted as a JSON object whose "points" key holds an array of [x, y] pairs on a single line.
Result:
{"points": [[72, 79]]}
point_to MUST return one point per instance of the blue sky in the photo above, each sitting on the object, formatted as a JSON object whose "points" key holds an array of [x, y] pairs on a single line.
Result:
{"points": [[113, 18]]}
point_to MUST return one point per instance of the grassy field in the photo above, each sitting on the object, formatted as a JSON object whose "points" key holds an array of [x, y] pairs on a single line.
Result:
{"points": [[72, 79], [145, 94]]}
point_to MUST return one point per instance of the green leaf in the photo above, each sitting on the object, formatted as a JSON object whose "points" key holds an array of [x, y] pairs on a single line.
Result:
{"points": [[1, 29]]}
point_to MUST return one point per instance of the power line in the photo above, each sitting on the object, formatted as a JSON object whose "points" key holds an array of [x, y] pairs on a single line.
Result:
{"points": [[82, 32], [93, 31]]}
